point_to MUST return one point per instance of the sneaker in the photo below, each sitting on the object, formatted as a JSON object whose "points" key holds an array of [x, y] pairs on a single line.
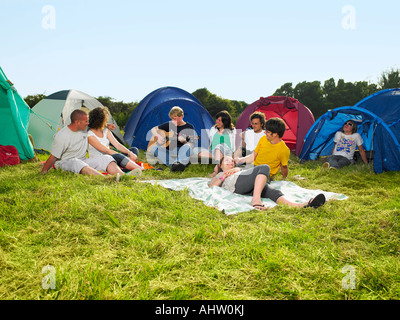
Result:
{"points": [[316, 202], [326, 165], [135, 173], [177, 166]]}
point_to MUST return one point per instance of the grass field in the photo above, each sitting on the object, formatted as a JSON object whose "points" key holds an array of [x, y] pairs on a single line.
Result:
{"points": [[132, 240]]}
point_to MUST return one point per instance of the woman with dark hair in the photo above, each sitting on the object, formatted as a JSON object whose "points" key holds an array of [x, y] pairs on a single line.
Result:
{"points": [[254, 182], [345, 143], [100, 138], [223, 138]]}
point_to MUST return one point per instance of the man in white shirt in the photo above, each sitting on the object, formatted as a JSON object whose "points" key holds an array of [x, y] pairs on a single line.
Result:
{"points": [[250, 137], [69, 150], [346, 141]]}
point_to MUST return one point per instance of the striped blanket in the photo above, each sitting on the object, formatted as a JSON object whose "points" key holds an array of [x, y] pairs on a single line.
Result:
{"points": [[232, 203]]}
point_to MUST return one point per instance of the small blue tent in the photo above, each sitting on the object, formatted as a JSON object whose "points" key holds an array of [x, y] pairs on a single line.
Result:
{"points": [[153, 110], [378, 120]]}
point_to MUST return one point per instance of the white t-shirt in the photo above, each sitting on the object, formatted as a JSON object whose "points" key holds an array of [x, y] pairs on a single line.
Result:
{"points": [[68, 144], [93, 152], [346, 144], [251, 139]]}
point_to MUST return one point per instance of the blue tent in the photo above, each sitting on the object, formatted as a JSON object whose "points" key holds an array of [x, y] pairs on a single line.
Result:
{"points": [[378, 121], [153, 110]]}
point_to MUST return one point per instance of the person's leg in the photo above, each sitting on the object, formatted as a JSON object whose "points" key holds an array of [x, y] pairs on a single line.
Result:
{"points": [[87, 170], [162, 154], [315, 202], [104, 163], [120, 159], [125, 162], [246, 179], [134, 150], [336, 161], [113, 168], [77, 166], [259, 184], [184, 154], [332, 160], [283, 200], [261, 187], [217, 156], [343, 162]]}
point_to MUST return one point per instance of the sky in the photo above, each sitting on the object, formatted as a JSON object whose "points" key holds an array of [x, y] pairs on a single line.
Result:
{"points": [[238, 50]]}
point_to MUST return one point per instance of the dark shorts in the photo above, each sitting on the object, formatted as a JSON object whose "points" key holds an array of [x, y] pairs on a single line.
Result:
{"points": [[245, 183]]}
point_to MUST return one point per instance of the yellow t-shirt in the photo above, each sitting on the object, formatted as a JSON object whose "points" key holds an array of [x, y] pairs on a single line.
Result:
{"points": [[274, 155]]}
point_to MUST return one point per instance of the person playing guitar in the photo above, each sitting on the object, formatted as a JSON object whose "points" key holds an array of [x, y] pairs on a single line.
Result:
{"points": [[172, 141]]}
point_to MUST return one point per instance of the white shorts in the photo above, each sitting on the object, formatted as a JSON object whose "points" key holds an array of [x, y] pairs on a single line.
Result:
{"points": [[75, 165]]}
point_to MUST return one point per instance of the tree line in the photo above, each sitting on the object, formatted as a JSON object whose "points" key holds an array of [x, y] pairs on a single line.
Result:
{"points": [[318, 97]]}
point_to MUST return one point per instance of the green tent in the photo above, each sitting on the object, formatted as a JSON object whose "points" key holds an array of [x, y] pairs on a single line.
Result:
{"points": [[14, 119], [52, 113]]}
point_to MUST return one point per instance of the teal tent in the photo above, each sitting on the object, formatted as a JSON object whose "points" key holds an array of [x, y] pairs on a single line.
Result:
{"points": [[14, 119]]}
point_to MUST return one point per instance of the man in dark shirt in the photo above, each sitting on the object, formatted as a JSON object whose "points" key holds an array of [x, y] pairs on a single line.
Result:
{"points": [[174, 141]]}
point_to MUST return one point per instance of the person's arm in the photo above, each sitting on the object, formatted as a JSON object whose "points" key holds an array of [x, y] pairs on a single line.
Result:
{"points": [[284, 171], [218, 180], [243, 139], [238, 152], [284, 162], [334, 146], [120, 147], [95, 143], [111, 126], [248, 159], [362, 153], [188, 135], [335, 140], [48, 164]]}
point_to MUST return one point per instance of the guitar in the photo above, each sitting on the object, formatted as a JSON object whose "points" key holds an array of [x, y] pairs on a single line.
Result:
{"points": [[167, 135]]}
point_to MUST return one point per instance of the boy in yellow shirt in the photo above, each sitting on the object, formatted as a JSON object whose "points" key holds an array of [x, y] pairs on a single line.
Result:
{"points": [[271, 149]]}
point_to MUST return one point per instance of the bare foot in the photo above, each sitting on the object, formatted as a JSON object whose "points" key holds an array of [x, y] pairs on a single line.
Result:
{"points": [[259, 206]]}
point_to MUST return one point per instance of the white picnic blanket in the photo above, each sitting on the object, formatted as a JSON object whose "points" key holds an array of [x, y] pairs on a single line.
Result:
{"points": [[232, 203]]}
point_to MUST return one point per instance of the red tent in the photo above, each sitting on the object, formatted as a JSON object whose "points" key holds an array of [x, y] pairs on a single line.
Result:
{"points": [[298, 118]]}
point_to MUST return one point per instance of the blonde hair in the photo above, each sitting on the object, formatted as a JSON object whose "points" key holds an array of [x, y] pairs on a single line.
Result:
{"points": [[176, 111]]}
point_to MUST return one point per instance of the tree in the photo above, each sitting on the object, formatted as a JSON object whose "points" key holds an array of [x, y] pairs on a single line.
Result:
{"points": [[390, 79], [346, 93], [285, 90], [311, 95], [32, 100], [214, 103], [121, 111]]}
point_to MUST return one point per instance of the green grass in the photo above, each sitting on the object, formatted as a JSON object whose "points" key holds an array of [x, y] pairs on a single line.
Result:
{"points": [[134, 240]]}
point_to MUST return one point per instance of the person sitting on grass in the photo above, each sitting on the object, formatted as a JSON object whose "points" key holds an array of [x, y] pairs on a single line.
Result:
{"points": [[176, 150], [100, 137], [345, 143], [271, 149], [252, 136], [254, 181], [223, 140], [69, 149]]}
